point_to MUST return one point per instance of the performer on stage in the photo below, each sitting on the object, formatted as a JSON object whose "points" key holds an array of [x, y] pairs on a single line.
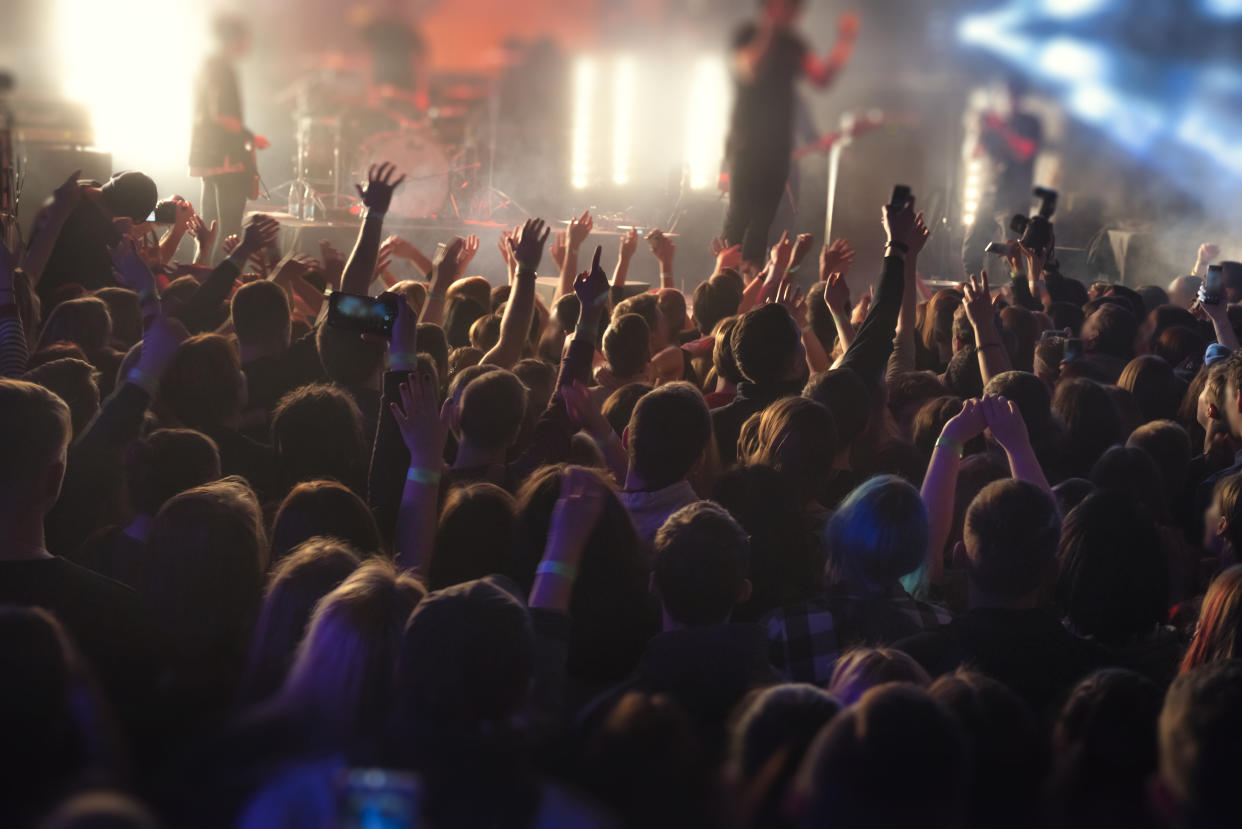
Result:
{"points": [[768, 57], [398, 57], [221, 148], [1010, 142]]}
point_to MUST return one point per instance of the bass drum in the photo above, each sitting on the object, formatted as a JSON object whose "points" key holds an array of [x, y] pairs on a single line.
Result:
{"points": [[421, 159]]}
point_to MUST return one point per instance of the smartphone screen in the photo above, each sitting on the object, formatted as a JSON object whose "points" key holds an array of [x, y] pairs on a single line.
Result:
{"points": [[379, 799], [364, 314], [901, 195], [1213, 284], [1073, 349]]}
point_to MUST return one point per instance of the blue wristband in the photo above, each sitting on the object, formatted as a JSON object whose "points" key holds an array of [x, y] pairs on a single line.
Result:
{"points": [[556, 568], [419, 475]]}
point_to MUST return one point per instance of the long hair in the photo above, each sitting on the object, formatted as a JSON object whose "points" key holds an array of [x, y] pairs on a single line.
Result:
{"points": [[878, 534], [1218, 635]]}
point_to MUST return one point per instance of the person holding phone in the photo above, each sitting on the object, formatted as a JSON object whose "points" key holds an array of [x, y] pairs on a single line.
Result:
{"points": [[769, 56]]}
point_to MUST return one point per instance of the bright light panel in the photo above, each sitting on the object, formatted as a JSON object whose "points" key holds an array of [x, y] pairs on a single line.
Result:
{"points": [[708, 120], [1067, 59], [623, 100], [1226, 9], [1068, 9], [139, 95], [584, 82]]}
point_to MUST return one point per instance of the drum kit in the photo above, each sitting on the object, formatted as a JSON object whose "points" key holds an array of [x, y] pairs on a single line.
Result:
{"points": [[441, 150]]}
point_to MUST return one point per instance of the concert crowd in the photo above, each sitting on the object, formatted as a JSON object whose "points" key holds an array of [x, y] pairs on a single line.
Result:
{"points": [[288, 541]]}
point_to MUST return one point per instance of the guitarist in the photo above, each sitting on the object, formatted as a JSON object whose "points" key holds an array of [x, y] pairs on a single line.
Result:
{"points": [[222, 150]]}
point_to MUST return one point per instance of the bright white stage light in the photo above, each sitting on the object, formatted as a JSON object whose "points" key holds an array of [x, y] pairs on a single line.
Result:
{"points": [[139, 95], [1067, 9], [580, 152], [1226, 9], [623, 100], [1067, 59], [707, 120]]}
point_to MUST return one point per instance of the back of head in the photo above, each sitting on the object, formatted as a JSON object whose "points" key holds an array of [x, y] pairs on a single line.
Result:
{"points": [[711, 303], [858, 670], [1011, 534], [896, 758], [539, 377], [431, 341], [765, 344], [962, 375], [1153, 296], [84, 321], [1155, 388], [877, 535], [475, 288], [461, 313], [202, 387], [646, 306], [297, 582], [1168, 444], [909, 390], [485, 332], [348, 360], [165, 463], [125, 310], [1218, 636], [672, 304], [1181, 347], [619, 407], [37, 427], [700, 558], [328, 509], [130, 194], [343, 671], [492, 408], [1130, 470], [722, 351], [260, 314], [474, 524], [1066, 315], [300, 422], [1092, 423], [1029, 394], [207, 558], [1201, 745], [1111, 330], [1006, 742], [797, 437], [1114, 572], [74, 381], [467, 655], [627, 345], [668, 431], [846, 396], [1018, 327]]}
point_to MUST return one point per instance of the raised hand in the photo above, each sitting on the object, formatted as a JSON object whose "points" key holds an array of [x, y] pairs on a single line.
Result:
{"points": [[131, 269], [377, 195], [978, 300], [230, 244], [898, 222], [629, 244], [183, 212], [469, 248], [920, 235], [577, 510], [444, 266], [728, 257], [584, 412], [837, 295], [527, 245], [966, 425], [259, 232], [201, 232], [560, 243], [802, 246], [403, 344], [781, 252], [662, 248], [580, 228], [591, 288], [1207, 253], [1004, 421], [790, 296], [423, 422], [863, 307], [160, 343], [835, 258]]}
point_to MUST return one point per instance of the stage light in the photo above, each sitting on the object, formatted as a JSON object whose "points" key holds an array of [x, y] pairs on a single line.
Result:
{"points": [[138, 94], [623, 89], [707, 120], [1225, 9], [1068, 9], [1067, 59], [583, 118]]}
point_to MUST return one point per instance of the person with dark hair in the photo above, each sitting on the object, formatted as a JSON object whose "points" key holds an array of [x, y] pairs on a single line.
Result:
{"points": [[700, 660], [847, 397], [221, 147], [299, 423], [878, 535], [325, 509], [860, 669], [723, 365], [1114, 583], [1092, 424], [274, 365], [356, 365], [627, 350], [712, 302], [665, 440], [894, 733], [1182, 348], [1108, 337], [1156, 390], [1200, 745], [74, 381], [1104, 746], [1010, 543], [797, 437], [771, 733], [474, 517], [619, 407], [462, 313], [492, 409], [125, 310]]}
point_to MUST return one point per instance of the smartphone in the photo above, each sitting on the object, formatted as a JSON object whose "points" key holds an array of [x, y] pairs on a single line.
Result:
{"points": [[1073, 349], [379, 799], [364, 314], [1213, 290], [165, 212], [998, 248], [901, 196]]}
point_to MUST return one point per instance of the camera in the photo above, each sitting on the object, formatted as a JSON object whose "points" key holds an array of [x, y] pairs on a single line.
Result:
{"points": [[165, 212], [1035, 232], [998, 248]]}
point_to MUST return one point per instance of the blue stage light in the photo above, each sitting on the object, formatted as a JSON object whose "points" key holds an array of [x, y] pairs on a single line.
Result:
{"points": [[1225, 9], [1069, 9], [1072, 60]]}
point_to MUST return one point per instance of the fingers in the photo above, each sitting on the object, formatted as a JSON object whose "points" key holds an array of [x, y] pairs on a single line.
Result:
{"points": [[599, 250]]}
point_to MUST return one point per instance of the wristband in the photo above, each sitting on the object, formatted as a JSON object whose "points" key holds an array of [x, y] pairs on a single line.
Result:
{"points": [[402, 357], [587, 330], [556, 568], [526, 269], [419, 475], [143, 381], [901, 246], [945, 443], [792, 270], [372, 212]]}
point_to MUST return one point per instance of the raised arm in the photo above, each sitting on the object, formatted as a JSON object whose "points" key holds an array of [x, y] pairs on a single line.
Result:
{"points": [[184, 212], [663, 249], [993, 358], [823, 71], [204, 236], [260, 231], [360, 269], [903, 358], [424, 426], [515, 324], [65, 198], [940, 484], [573, 520], [1206, 255], [444, 271], [625, 255], [1219, 315], [778, 263], [579, 229], [1004, 421]]}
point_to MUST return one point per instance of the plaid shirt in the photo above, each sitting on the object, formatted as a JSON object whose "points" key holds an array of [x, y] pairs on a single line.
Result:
{"points": [[805, 639]]}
